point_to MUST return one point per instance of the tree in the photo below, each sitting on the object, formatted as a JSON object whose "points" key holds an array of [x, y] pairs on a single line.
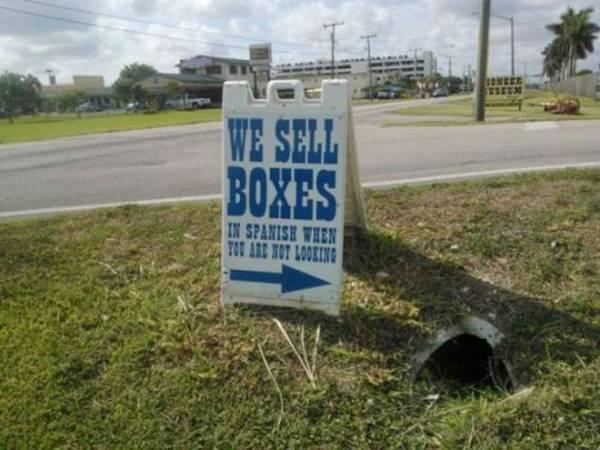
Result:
{"points": [[574, 39], [554, 59], [128, 87], [173, 89], [69, 100], [453, 84], [48, 105], [19, 93]]}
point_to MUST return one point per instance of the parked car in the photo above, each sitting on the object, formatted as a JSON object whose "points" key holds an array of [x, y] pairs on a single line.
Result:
{"points": [[134, 106], [89, 107], [188, 102], [440, 92], [383, 95]]}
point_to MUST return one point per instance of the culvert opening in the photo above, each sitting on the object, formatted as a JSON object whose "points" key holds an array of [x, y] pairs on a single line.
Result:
{"points": [[468, 360], [465, 355]]}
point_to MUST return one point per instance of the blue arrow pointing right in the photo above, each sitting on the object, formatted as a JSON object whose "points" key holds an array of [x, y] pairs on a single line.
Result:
{"points": [[290, 279]]}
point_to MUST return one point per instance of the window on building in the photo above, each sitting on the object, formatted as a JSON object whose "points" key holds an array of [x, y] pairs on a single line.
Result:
{"points": [[213, 70], [244, 70], [233, 69]]}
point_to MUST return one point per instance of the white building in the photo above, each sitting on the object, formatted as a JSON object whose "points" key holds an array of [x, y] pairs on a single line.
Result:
{"points": [[226, 69], [404, 65], [358, 83]]}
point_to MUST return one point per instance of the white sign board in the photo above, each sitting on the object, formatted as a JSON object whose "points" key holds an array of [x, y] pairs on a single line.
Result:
{"points": [[196, 62], [284, 190], [260, 56]]}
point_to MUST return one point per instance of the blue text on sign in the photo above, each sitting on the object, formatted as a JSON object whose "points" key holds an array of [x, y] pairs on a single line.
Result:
{"points": [[297, 145]]}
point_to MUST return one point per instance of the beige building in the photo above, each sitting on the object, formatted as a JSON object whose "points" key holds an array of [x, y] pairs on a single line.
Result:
{"points": [[91, 85]]}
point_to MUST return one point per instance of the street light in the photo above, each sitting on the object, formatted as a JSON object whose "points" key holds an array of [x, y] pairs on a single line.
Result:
{"points": [[512, 39]]}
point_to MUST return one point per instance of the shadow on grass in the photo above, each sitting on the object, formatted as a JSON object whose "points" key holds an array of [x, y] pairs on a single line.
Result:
{"points": [[535, 330]]}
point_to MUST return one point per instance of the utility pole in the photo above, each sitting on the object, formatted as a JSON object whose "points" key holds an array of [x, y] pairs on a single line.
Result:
{"points": [[332, 26], [368, 37], [449, 66], [482, 59]]}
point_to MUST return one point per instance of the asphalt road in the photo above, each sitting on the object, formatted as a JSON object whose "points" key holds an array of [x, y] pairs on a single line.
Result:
{"points": [[174, 163]]}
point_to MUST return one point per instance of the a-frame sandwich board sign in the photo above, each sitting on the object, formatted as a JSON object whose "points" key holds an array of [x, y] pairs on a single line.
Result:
{"points": [[290, 184]]}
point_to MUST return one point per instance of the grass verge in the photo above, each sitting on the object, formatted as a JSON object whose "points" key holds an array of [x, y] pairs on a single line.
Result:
{"points": [[461, 112], [375, 101], [111, 335], [64, 125]]}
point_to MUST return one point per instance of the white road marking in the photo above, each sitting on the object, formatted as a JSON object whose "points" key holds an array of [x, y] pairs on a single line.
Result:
{"points": [[483, 173], [66, 209], [368, 185], [539, 126]]}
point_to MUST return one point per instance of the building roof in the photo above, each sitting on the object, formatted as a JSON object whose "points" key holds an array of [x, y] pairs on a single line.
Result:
{"points": [[189, 78], [218, 59]]}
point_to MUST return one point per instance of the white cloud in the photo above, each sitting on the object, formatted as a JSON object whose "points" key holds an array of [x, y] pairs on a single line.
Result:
{"points": [[32, 44]]}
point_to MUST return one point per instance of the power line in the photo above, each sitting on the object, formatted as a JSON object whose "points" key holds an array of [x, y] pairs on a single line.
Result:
{"points": [[128, 30], [148, 22]]}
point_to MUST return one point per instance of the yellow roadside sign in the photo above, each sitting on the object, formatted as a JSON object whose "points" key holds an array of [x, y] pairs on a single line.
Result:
{"points": [[504, 91]]}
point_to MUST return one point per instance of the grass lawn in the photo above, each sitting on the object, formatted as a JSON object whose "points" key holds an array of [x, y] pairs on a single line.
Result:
{"points": [[461, 112], [366, 101], [111, 334], [63, 125]]}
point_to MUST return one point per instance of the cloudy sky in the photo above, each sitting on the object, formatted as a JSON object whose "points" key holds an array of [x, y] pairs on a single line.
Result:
{"points": [[163, 31]]}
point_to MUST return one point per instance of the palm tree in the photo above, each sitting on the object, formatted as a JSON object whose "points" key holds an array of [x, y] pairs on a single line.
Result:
{"points": [[554, 57], [575, 35]]}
